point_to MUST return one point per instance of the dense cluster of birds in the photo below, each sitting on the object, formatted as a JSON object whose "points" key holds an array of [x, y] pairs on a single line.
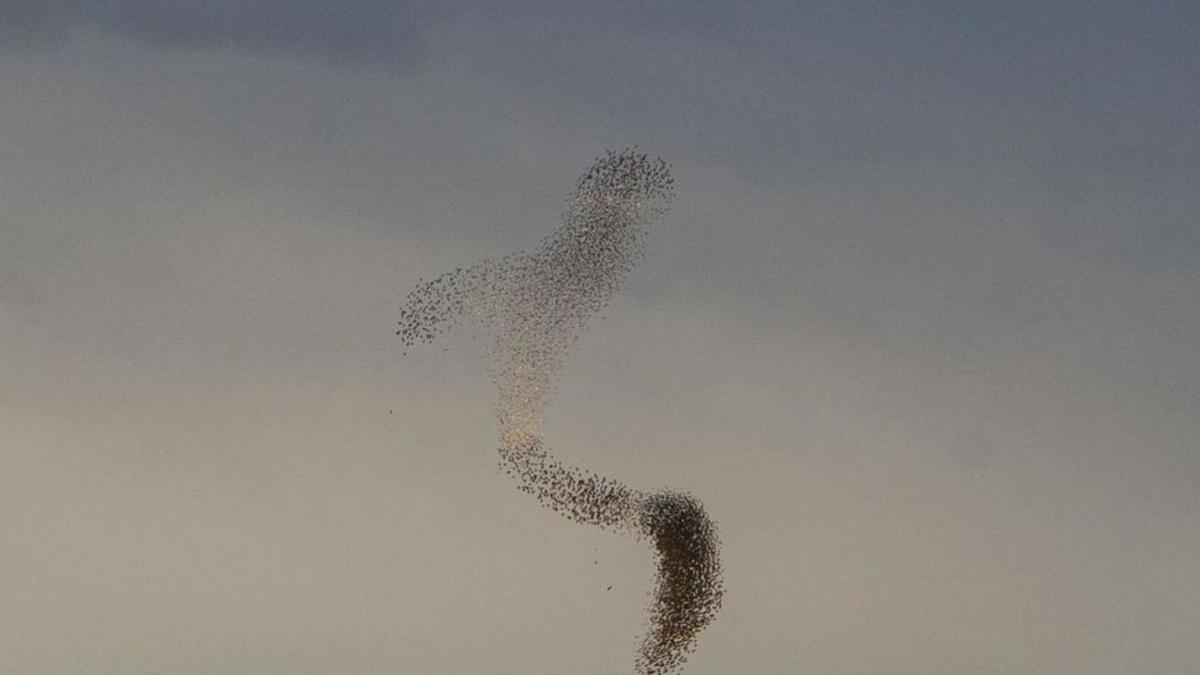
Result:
{"points": [[534, 306]]}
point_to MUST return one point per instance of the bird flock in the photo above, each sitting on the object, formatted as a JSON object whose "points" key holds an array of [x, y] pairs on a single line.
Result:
{"points": [[534, 306]]}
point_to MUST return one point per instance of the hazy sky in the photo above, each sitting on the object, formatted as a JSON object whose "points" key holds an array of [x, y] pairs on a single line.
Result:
{"points": [[922, 331]]}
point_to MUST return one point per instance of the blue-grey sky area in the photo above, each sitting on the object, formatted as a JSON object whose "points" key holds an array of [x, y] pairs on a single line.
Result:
{"points": [[921, 330]]}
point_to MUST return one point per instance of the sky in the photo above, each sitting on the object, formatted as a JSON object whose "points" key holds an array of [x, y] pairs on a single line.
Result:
{"points": [[920, 330]]}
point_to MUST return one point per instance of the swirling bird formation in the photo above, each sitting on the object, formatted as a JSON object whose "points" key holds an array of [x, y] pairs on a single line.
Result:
{"points": [[534, 307]]}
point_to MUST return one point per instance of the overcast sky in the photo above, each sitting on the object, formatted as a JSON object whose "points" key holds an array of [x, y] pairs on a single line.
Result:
{"points": [[921, 330]]}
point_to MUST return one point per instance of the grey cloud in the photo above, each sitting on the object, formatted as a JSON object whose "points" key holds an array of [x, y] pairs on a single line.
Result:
{"points": [[358, 32], [354, 32]]}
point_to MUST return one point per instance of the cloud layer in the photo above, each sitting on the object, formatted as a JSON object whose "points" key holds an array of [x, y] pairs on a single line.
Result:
{"points": [[920, 328]]}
